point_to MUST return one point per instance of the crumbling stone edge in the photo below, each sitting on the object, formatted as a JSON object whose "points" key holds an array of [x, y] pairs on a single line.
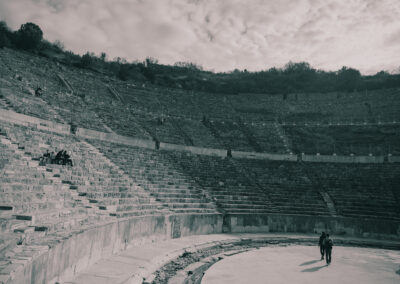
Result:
{"points": [[193, 272]]}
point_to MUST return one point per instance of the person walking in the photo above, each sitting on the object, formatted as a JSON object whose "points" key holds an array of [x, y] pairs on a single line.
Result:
{"points": [[321, 244], [328, 249]]}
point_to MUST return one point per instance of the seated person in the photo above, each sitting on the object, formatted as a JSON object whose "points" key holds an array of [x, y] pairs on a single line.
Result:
{"points": [[58, 159], [45, 159], [38, 92], [66, 159], [52, 158]]}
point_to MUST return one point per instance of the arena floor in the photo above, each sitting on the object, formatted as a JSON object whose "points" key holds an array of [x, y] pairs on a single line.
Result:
{"points": [[302, 264]]}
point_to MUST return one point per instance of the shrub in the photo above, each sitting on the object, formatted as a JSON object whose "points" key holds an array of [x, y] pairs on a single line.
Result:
{"points": [[29, 36], [5, 35], [86, 60]]}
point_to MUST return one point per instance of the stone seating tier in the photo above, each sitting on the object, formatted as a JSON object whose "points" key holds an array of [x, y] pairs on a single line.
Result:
{"points": [[33, 202], [91, 173], [358, 140], [92, 105], [365, 190], [148, 169]]}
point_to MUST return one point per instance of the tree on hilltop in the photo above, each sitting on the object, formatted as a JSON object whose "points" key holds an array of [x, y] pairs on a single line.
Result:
{"points": [[86, 60], [29, 36], [6, 35], [349, 79]]}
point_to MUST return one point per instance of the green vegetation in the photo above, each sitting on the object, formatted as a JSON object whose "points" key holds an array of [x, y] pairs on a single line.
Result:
{"points": [[292, 78]]}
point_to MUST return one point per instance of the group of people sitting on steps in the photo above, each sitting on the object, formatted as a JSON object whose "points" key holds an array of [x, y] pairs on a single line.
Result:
{"points": [[61, 158]]}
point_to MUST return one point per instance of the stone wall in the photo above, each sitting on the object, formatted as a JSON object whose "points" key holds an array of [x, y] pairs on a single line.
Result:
{"points": [[352, 227], [193, 150], [13, 117], [264, 156], [394, 159], [61, 260], [25, 120], [114, 138], [342, 159]]}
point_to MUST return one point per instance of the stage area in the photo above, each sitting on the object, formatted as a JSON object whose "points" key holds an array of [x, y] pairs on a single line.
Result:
{"points": [[302, 264]]}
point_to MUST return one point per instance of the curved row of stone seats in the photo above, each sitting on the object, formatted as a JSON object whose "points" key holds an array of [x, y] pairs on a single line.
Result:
{"points": [[22, 77], [232, 190], [162, 128], [349, 139], [149, 170], [94, 106], [74, 109], [104, 185], [33, 202], [259, 108], [254, 186], [379, 104], [231, 135], [198, 133], [22, 102], [357, 106], [216, 106], [287, 186], [97, 182], [113, 113], [267, 137], [28, 72], [362, 190], [360, 106]]}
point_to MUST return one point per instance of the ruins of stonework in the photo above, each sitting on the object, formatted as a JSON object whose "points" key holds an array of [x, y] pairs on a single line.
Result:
{"points": [[153, 197]]}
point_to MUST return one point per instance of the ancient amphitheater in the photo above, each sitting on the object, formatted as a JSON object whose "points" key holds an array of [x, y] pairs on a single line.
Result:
{"points": [[167, 180]]}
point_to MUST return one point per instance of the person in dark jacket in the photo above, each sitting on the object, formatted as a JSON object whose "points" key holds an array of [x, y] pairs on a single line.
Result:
{"points": [[328, 244], [58, 158], [321, 244]]}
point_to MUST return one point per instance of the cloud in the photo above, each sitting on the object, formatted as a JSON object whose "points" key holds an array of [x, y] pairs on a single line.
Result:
{"points": [[222, 34]]}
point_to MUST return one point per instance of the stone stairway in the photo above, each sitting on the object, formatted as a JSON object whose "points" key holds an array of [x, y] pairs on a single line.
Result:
{"points": [[285, 140], [249, 135], [89, 176], [188, 140], [33, 201], [65, 83], [208, 124], [319, 186]]}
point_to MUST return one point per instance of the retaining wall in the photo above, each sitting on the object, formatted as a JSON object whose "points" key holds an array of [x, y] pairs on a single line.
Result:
{"points": [[193, 150], [353, 227], [264, 156], [41, 124], [60, 261], [342, 159], [114, 138], [30, 121]]}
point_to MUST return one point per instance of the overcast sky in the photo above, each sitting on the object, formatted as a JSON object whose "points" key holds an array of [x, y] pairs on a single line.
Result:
{"points": [[222, 35]]}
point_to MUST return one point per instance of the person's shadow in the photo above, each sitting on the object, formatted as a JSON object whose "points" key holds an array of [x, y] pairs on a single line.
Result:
{"points": [[310, 262], [313, 269]]}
